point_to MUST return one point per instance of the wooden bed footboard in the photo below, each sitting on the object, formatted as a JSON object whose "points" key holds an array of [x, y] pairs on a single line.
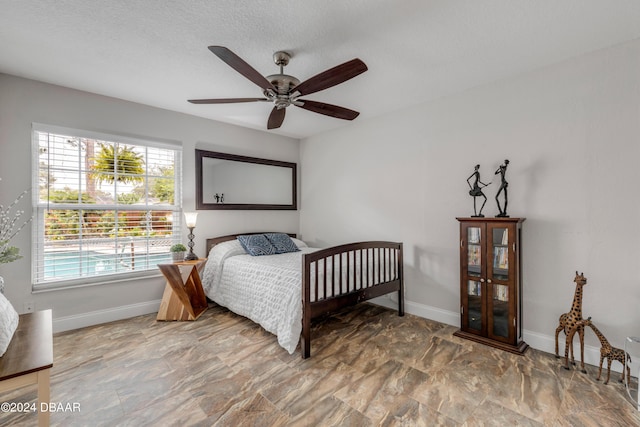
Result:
{"points": [[345, 275]]}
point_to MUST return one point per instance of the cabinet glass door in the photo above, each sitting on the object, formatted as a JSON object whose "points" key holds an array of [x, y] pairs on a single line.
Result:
{"points": [[474, 304], [474, 252], [500, 305], [473, 290], [500, 256], [500, 300]]}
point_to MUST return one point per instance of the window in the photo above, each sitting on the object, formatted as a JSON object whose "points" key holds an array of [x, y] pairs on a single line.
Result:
{"points": [[106, 207]]}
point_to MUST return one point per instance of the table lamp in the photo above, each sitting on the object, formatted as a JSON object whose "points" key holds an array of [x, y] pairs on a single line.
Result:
{"points": [[190, 220]]}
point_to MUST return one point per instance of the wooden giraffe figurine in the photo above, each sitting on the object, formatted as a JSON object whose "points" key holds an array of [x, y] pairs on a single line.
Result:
{"points": [[569, 320], [579, 325], [607, 351]]}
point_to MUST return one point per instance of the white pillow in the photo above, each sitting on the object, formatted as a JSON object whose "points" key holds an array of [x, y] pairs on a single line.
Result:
{"points": [[8, 323], [226, 249], [217, 255], [299, 243]]}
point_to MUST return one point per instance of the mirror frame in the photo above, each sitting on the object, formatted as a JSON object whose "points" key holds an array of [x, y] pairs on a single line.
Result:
{"points": [[200, 204]]}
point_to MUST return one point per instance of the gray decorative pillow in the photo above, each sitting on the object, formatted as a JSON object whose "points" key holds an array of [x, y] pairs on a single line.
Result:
{"points": [[256, 244], [282, 243]]}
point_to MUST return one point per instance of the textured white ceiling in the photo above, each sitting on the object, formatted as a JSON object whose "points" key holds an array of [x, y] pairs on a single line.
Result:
{"points": [[155, 51]]}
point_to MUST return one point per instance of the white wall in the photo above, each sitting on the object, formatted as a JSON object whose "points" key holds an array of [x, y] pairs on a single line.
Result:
{"points": [[25, 101], [572, 134]]}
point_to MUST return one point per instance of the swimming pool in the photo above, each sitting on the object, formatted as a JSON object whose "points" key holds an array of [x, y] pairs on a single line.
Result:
{"points": [[69, 265]]}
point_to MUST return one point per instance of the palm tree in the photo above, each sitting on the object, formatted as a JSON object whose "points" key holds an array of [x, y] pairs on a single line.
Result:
{"points": [[88, 146], [118, 163]]}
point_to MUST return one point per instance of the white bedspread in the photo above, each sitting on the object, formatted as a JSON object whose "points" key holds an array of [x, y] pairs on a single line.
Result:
{"points": [[266, 289]]}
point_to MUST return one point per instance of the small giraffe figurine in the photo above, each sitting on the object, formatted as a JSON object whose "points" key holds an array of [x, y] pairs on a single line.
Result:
{"points": [[568, 320], [607, 351], [579, 325]]}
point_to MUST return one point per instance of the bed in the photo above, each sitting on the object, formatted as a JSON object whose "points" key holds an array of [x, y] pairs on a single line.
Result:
{"points": [[285, 292]]}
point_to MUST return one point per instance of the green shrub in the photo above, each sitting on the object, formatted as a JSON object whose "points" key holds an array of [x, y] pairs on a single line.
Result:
{"points": [[178, 247]]}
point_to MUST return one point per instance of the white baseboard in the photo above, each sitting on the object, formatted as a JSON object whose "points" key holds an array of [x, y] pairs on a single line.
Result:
{"points": [[76, 321], [535, 340], [426, 311]]}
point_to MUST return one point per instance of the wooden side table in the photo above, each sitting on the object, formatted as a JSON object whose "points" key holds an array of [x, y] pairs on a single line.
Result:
{"points": [[183, 297], [29, 358]]}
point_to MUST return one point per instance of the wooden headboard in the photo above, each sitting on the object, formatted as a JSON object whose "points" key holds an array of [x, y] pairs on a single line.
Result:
{"points": [[216, 240]]}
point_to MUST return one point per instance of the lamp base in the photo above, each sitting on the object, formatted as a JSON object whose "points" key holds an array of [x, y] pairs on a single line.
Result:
{"points": [[191, 257]]}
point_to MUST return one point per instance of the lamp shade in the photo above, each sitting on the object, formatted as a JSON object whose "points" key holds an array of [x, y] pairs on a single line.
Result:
{"points": [[190, 219]]}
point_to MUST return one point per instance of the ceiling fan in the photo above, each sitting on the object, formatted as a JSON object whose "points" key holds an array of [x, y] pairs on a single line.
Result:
{"points": [[285, 90]]}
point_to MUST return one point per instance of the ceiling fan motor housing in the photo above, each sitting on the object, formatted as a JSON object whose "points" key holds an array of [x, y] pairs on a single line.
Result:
{"points": [[283, 82]]}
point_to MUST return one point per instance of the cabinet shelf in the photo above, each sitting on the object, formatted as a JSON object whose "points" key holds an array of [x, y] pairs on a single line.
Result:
{"points": [[491, 282]]}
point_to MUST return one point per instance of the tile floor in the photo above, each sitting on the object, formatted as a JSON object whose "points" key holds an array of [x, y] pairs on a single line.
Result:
{"points": [[368, 367]]}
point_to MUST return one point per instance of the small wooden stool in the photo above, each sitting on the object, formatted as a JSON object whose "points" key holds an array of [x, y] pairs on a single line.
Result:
{"points": [[29, 358], [183, 297]]}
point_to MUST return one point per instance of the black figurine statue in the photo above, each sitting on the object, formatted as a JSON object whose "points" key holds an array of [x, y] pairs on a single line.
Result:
{"points": [[476, 191], [502, 170]]}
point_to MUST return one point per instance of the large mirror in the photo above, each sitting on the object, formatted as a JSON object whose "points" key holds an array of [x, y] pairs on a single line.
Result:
{"points": [[228, 181]]}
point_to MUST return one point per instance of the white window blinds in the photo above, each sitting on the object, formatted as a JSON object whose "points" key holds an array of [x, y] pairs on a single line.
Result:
{"points": [[105, 207]]}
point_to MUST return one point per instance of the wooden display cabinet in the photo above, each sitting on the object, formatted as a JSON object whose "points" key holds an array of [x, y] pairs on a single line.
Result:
{"points": [[491, 282]]}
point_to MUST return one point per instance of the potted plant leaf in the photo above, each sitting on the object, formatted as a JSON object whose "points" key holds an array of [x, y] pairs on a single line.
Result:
{"points": [[178, 250]]}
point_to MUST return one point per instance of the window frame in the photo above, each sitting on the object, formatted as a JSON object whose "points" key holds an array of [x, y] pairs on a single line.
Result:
{"points": [[39, 208]]}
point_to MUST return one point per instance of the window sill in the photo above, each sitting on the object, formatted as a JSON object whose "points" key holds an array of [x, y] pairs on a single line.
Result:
{"points": [[93, 281]]}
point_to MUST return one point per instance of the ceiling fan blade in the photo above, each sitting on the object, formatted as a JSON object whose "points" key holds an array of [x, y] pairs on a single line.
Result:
{"points": [[331, 77], [225, 100], [276, 118], [328, 109], [238, 64]]}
